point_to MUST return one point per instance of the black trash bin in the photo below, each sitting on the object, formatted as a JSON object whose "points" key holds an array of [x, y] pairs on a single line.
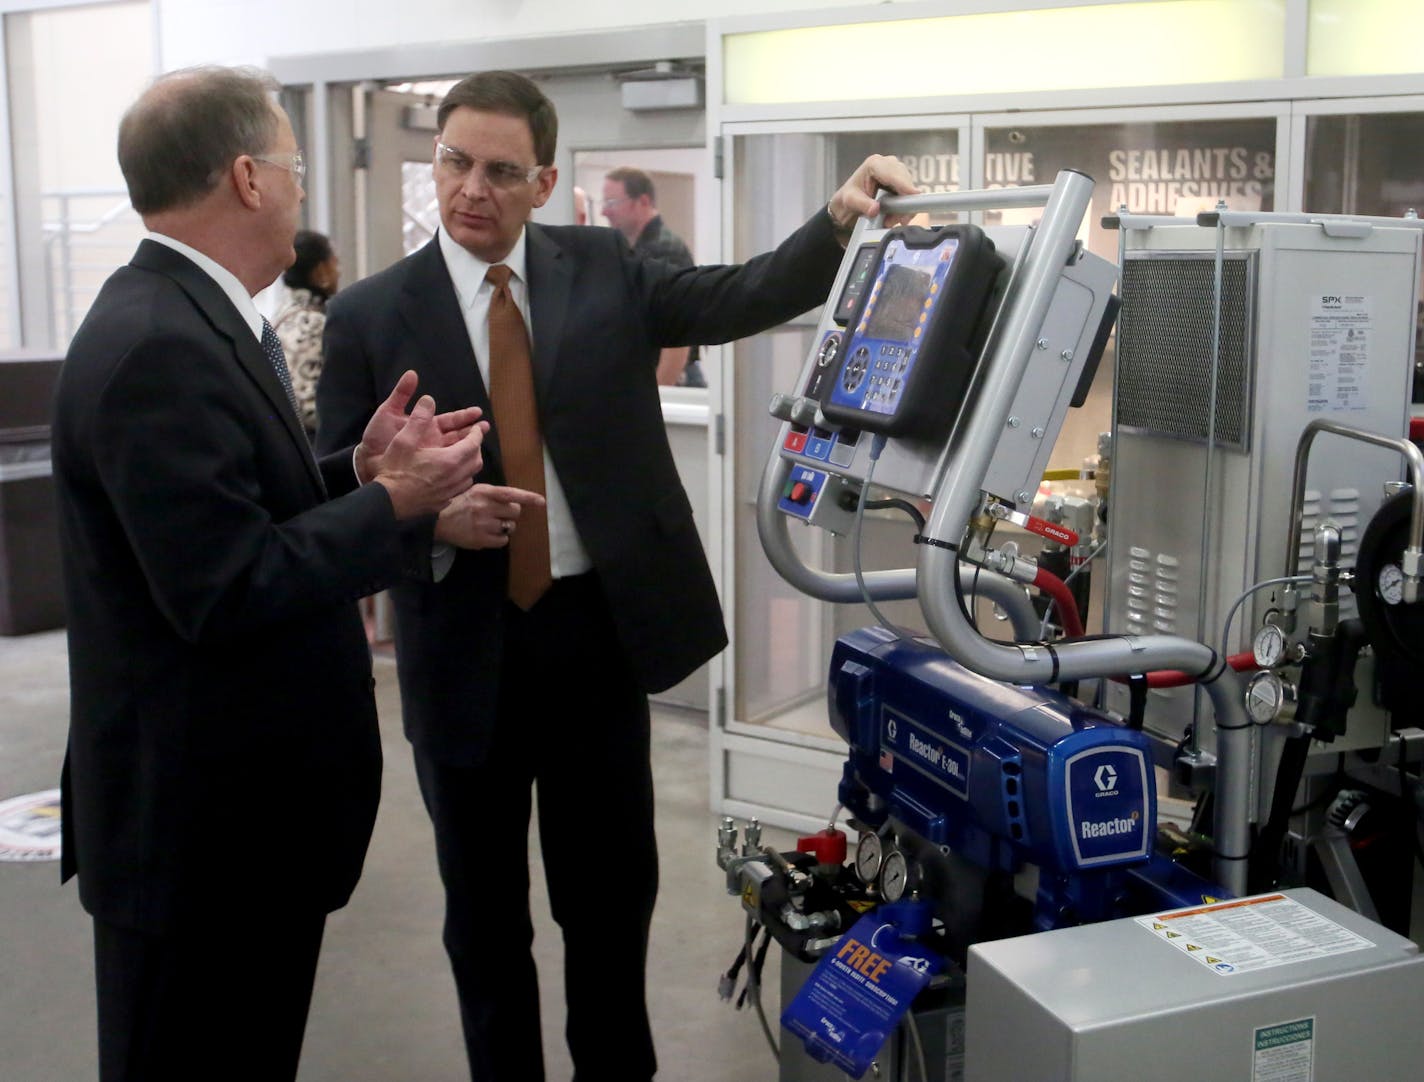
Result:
{"points": [[31, 590]]}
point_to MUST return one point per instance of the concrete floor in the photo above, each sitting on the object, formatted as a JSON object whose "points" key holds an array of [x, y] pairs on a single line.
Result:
{"points": [[384, 1007]]}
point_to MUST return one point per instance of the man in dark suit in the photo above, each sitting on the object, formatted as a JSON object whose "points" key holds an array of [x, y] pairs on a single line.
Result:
{"points": [[596, 598], [223, 764]]}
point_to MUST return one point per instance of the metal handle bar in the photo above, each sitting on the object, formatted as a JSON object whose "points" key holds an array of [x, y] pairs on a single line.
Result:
{"points": [[971, 199]]}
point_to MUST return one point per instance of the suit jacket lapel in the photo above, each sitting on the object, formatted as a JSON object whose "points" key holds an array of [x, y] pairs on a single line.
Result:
{"points": [[430, 309], [209, 298], [550, 287]]}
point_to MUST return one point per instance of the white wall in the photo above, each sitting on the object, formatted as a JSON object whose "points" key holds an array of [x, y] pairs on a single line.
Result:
{"points": [[74, 55], [248, 31]]}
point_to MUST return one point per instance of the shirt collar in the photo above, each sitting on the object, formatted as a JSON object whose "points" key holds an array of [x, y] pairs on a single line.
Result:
{"points": [[467, 270], [225, 279]]}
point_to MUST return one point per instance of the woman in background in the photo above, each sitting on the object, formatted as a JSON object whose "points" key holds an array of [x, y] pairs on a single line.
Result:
{"points": [[313, 278]]}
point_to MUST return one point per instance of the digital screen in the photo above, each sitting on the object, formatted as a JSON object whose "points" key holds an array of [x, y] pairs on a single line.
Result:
{"points": [[902, 298]]}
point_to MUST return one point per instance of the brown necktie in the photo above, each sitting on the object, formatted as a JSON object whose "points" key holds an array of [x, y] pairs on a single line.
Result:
{"points": [[516, 423]]}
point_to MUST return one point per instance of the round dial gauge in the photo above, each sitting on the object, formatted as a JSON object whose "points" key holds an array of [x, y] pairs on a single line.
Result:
{"points": [[1391, 584], [868, 855], [1265, 695], [894, 876], [1269, 646]]}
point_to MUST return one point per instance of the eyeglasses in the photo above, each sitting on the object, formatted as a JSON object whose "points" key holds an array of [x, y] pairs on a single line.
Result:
{"points": [[501, 175], [293, 163], [606, 203]]}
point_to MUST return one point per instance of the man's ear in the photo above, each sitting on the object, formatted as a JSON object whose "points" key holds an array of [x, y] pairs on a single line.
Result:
{"points": [[242, 174], [547, 179]]}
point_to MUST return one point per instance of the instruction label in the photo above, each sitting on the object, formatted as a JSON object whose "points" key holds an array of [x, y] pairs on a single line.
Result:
{"points": [[1284, 1052], [1250, 934], [1340, 327]]}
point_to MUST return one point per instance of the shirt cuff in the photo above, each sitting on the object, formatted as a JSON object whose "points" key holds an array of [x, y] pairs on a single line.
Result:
{"points": [[442, 558]]}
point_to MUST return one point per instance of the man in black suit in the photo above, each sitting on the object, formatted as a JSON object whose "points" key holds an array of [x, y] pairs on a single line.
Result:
{"points": [[528, 664], [224, 763]]}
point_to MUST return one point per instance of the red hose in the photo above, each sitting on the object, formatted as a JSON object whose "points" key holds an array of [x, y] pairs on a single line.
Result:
{"points": [[1174, 678], [1054, 587]]}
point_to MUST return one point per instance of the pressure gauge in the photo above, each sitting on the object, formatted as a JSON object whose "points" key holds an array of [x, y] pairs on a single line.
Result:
{"points": [[1265, 696], [868, 856], [894, 876], [1391, 584], [1269, 646]]}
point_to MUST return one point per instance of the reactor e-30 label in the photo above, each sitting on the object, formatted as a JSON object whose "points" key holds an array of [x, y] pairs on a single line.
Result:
{"points": [[926, 751]]}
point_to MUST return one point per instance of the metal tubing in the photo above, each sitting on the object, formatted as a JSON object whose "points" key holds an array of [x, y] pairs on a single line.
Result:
{"points": [[1242, 219], [1414, 550], [897, 585], [967, 465], [894, 585], [1125, 221], [975, 198], [1231, 818]]}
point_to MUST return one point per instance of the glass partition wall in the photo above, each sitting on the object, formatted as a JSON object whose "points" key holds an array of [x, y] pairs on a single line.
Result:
{"points": [[1369, 163], [783, 637]]}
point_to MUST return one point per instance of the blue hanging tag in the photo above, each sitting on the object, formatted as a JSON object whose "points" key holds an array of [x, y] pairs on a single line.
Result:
{"points": [[859, 991]]}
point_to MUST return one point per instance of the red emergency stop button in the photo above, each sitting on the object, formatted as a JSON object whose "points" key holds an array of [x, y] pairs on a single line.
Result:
{"points": [[800, 492]]}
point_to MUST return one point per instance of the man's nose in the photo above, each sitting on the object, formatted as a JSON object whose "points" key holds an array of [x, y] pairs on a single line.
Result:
{"points": [[476, 184]]}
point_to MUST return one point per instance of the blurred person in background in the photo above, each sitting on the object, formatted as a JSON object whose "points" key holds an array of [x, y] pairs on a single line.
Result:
{"points": [[630, 203], [312, 279]]}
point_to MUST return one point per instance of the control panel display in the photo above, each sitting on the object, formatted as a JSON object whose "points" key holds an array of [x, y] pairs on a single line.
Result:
{"points": [[906, 359]]}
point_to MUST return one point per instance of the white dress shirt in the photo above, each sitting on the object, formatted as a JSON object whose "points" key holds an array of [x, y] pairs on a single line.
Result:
{"points": [[567, 556], [226, 280]]}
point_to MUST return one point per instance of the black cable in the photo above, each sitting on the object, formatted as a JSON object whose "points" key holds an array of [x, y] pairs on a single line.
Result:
{"points": [[967, 606], [899, 505], [1265, 865], [754, 967], [727, 984]]}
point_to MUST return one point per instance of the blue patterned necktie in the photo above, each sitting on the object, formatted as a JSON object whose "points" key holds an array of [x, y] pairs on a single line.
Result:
{"points": [[272, 347]]}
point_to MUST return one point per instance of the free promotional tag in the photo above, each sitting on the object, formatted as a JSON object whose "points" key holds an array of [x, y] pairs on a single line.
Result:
{"points": [[857, 994]]}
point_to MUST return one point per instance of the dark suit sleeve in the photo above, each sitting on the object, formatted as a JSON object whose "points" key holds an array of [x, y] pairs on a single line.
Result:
{"points": [[713, 304], [218, 512], [345, 396]]}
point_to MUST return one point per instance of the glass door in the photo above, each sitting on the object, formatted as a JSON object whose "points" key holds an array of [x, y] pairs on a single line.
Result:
{"points": [[1365, 156], [776, 756]]}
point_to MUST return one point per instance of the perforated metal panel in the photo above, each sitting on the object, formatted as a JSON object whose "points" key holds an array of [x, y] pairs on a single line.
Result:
{"points": [[1164, 346]]}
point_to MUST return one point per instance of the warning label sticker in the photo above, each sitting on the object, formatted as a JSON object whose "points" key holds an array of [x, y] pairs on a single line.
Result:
{"points": [[1340, 330], [1248, 934]]}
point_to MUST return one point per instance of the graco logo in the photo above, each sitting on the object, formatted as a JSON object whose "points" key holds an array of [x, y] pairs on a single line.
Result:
{"points": [[1105, 778]]}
